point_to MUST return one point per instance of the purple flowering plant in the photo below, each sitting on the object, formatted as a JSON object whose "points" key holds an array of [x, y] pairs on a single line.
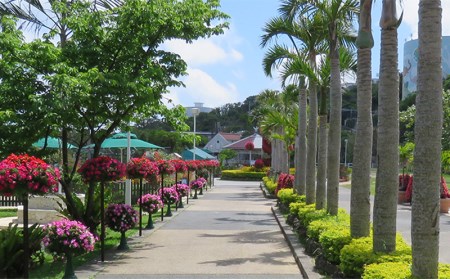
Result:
{"points": [[68, 236], [150, 203], [198, 183], [170, 195], [120, 217], [183, 189]]}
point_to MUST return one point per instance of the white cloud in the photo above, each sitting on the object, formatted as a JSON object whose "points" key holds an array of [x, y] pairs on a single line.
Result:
{"points": [[201, 87], [217, 49], [411, 17]]}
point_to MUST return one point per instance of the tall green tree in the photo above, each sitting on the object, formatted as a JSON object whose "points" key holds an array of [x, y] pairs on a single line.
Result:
{"points": [[113, 69], [338, 16], [360, 193], [427, 152], [385, 202]]}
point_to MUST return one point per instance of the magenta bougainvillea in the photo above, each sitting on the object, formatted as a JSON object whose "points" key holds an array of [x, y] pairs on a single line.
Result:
{"points": [[182, 189], [169, 195], [102, 169], [138, 168], [68, 236], [179, 165], [120, 217], [20, 174], [150, 203], [165, 167]]}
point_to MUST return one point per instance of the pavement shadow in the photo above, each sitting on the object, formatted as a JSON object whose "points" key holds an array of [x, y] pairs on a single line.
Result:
{"points": [[273, 258], [252, 237]]}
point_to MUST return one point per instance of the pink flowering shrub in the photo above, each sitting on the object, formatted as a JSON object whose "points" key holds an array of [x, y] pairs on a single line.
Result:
{"points": [[102, 168], [259, 164], [169, 195], [138, 168], [198, 183], [68, 236], [192, 165], [150, 203], [21, 174], [183, 189], [120, 217]]}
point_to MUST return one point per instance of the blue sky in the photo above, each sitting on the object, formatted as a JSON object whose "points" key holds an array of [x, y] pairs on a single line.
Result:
{"points": [[227, 68]]}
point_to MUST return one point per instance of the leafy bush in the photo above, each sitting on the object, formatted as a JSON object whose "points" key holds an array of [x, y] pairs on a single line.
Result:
{"points": [[398, 270], [294, 207], [284, 181], [310, 216], [359, 253], [303, 211], [316, 227], [270, 184], [12, 258], [288, 196], [333, 240], [241, 175]]}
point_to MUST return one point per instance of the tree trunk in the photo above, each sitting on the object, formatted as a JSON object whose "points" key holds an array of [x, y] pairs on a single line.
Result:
{"points": [[322, 163], [427, 153], [385, 204], [300, 171], [334, 134], [360, 192], [284, 154], [312, 147]]}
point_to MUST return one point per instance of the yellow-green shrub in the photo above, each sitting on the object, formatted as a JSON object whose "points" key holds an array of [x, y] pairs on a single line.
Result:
{"points": [[270, 184], [287, 196], [294, 207], [241, 175], [359, 253], [398, 270], [316, 227], [333, 240]]}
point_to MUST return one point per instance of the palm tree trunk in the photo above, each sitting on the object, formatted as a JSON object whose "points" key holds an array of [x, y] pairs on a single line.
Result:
{"points": [[312, 147], [360, 193], [334, 134], [300, 169], [284, 154], [385, 204], [322, 163], [427, 153]]}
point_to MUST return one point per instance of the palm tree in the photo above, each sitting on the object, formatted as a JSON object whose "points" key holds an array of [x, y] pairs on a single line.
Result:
{"points": [[304, 34], [427, 152], [360, 193], [385, 203]]}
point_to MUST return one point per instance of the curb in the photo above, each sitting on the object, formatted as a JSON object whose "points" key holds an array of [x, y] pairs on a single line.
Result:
{"points": [[305, 263]]}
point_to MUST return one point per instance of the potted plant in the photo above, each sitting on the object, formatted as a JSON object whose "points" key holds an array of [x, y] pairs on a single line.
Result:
{"points": [[197, 184], [183, 191], [169, 196], [445, 195], [121, 218], [68, 238], [150, 204]]}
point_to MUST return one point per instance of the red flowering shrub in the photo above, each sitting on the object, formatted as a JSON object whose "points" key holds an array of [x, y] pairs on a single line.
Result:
{"points": [[259, 164], [179, 165], [249, 145], [266, 146], [284, 181], [142, 168], [21, 174], [165, 167], [192, 165], [102, 168], [444, 189], [403, 181]]}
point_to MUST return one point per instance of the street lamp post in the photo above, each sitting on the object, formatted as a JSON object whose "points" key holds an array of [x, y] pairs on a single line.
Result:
{"points": [[195, 112], [345, 152]]}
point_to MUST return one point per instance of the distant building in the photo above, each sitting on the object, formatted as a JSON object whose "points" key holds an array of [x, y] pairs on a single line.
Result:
{"points": [[410, 59], [221, 139], [188, 154], [199, 106], [246, 157]]}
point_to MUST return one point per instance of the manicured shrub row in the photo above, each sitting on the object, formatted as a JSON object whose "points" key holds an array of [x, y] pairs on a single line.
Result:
{"points": [[270, 184], [328, 239], [242, 175]]}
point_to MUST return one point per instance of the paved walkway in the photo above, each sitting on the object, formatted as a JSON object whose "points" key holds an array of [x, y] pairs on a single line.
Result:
{"points": [[230, 232]]}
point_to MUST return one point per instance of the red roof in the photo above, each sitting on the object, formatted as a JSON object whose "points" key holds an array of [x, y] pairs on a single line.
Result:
{"points": [[230, 137]]}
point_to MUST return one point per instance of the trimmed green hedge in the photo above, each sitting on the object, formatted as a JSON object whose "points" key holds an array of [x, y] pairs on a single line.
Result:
{"points": [[287, 196], [270, 184], [242, 175], [398, 270]]}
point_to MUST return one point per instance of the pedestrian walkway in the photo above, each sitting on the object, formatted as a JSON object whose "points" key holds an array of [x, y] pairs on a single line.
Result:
{"points": [[230, 232]]}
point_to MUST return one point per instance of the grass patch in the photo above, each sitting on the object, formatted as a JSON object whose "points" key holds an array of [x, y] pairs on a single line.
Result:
{"points": [[8, 212]]}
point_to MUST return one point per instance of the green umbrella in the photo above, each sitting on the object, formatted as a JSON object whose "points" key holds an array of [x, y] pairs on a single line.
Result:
{"points": [[120, 141], [52, 142]]}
